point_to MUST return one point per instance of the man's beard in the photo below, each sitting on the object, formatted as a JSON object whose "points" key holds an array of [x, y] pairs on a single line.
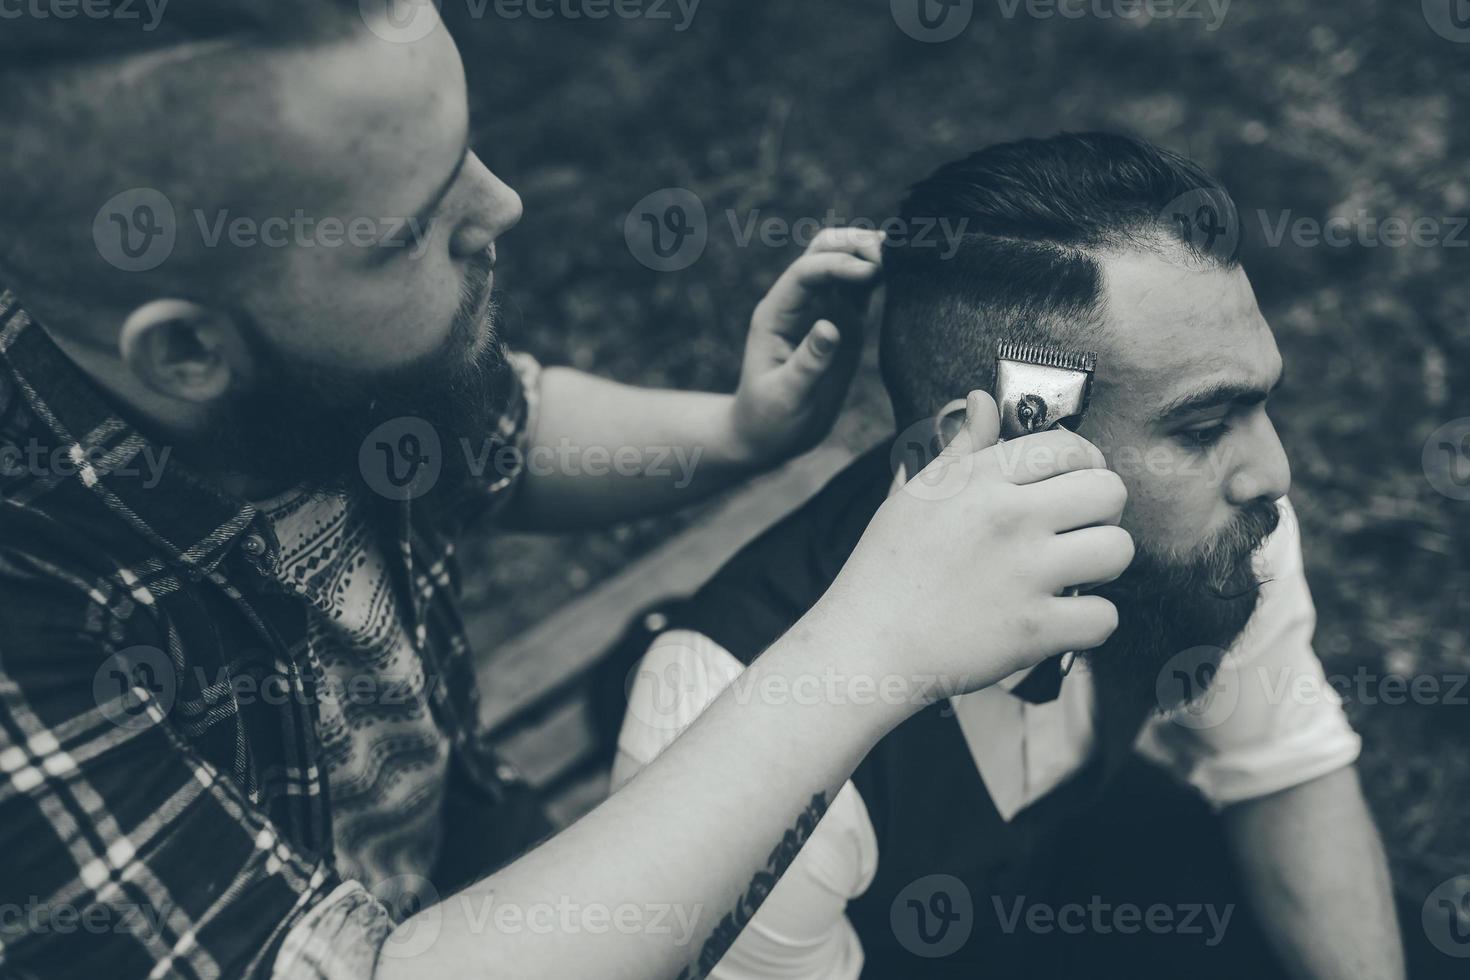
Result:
{"points": [[1168, 606], [303, 425]]}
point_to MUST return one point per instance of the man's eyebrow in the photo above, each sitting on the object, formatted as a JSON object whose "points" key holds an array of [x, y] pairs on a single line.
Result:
{"points": [[1222, 393]]}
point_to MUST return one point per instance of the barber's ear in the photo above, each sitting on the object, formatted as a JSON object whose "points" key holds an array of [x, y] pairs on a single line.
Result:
{"points": [[182, 350], [949, 421]]}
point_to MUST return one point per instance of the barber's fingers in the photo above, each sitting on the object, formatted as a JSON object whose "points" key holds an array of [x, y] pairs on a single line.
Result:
{"points": [[1033, 458], [1089, 556], [864, 242], [1081, 622], [1080, 498], [815, 354], [981, 430]]}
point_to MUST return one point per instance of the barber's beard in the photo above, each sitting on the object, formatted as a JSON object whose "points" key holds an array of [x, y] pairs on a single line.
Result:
{"points": [[1166, 606], [304, 424]]}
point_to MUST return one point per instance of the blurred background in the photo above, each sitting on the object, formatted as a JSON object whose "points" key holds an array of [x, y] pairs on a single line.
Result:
{"points": [[1354, 110]]}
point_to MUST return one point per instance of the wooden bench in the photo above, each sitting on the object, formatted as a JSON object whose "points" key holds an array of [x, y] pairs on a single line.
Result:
{"points": [[539, 688]]}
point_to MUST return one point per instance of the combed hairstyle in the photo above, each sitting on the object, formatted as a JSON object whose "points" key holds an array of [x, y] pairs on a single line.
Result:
{"points": [[1028, 222]]}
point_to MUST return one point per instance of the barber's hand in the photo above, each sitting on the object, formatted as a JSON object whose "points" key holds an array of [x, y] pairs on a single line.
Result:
{"points": [[961, 575], [805, 342]]}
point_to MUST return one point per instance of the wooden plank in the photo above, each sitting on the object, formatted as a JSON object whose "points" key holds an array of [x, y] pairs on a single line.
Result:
{"points": [[515, 676], [550, 746]]}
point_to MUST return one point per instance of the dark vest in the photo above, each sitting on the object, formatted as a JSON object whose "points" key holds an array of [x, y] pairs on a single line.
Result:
{"points": [[931, 810]]}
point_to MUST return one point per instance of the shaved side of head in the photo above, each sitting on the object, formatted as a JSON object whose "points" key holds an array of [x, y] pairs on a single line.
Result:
{"points": [[94, 108]]}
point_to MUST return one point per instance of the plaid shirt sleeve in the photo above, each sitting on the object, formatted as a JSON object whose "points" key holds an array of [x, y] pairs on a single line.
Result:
{"points": [[125, 854]]}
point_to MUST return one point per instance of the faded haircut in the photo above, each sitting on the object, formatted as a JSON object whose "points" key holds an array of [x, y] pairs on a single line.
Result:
{"points": [[67, 83], [1034, 216]]}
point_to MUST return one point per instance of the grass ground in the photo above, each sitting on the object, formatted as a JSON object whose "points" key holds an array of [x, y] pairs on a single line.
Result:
{"points": [[1306, 109]]}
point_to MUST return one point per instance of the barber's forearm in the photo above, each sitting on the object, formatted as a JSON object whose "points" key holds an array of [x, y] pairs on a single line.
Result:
{"points": [[1316, 874], [706, 830], [604, 452]]}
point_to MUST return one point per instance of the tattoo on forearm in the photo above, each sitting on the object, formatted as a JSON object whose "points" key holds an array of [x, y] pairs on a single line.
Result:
{"points": [[729, 927]]}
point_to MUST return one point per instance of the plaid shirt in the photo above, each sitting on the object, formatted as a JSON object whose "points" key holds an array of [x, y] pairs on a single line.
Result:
{"points": [[163, 805]]}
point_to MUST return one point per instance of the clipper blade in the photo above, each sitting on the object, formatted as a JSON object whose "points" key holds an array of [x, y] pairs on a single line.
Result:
{"points": [[1070, 360]]}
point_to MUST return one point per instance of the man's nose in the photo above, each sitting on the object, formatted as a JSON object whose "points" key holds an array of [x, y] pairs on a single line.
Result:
{"points": [[495, 209], [1264, 473]]}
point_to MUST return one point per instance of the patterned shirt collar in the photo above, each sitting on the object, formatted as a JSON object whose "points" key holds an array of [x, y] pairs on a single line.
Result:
{"points": [[188, 518]]}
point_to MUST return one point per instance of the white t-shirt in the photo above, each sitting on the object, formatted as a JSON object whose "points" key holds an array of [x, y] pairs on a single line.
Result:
{"points": [[1270, 722]]}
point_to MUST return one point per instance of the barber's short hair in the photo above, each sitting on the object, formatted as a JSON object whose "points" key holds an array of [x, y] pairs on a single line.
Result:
{"points": [[1022, 225], [62, 84]]}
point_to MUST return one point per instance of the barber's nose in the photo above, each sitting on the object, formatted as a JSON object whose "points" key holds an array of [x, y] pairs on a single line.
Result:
{"points": [[495, 210], [1264, 473]]}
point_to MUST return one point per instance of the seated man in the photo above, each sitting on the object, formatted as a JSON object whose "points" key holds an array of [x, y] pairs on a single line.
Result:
{"points": [[1006, 832]]}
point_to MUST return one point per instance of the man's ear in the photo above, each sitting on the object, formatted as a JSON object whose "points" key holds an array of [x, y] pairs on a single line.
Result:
{"points": [[182, 350], [948, 422]]}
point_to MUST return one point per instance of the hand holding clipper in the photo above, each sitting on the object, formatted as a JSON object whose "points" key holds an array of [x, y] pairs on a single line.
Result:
{"points": [[1039, 388]]}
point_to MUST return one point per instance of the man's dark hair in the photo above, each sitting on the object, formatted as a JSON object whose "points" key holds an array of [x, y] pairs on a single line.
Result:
{"points": [[1032, 217]]}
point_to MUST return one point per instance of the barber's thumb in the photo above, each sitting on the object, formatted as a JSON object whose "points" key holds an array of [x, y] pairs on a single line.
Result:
{"points": [[982, 425]]}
